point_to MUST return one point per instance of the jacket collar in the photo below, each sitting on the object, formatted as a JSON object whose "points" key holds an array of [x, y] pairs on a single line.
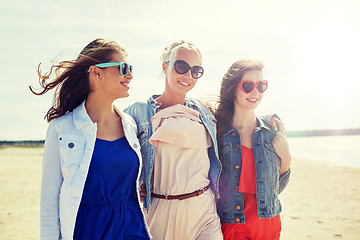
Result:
{"points": [[263, 124], [80, 116], [153, 103], [157, 105], [125, 118]]}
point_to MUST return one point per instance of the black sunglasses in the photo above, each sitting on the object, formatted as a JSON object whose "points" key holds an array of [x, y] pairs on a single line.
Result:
{"points": [[182, 67]]}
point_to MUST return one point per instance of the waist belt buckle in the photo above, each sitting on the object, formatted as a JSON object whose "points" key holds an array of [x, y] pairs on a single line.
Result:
{"points": [[200, 191], [166, 196]]}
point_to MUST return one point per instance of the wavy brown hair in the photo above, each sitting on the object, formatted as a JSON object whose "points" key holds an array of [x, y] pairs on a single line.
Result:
{"points": [[72, 79], [225, 109]]}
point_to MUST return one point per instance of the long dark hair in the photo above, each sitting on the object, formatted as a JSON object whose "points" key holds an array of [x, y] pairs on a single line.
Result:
{"points": [[225, 109], [72, 79]]}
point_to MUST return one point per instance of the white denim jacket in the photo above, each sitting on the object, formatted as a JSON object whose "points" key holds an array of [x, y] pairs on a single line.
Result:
{"points": [[69, 146]]}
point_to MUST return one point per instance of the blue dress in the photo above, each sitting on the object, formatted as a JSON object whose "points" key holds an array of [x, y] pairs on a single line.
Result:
{"points": [[109, 207]]}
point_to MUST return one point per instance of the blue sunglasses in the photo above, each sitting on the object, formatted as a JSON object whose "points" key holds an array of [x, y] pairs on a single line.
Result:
{"points": [[124, 67]]}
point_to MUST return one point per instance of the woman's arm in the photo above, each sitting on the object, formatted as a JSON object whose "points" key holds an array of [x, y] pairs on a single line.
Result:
{"points": [[281, 145], [50, 186]]}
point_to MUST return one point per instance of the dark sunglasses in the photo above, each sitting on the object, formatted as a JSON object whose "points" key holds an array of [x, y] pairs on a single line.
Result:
{"points": [[123, 66], [248, 86], [182, 67]]}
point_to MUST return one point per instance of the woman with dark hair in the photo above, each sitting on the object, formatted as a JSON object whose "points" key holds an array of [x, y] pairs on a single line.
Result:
{"points": [[92, 156], [178, 145], [255, 157]]}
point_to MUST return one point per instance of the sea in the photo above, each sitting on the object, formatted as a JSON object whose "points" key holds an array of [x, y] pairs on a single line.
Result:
{"points": [[333, 150]]}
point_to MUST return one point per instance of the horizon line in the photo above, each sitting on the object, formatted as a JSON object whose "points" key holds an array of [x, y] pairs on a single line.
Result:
{"points": [[296, 133]]}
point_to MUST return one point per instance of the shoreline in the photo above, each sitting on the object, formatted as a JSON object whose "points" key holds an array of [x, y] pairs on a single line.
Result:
{"points": [[338, 151]]}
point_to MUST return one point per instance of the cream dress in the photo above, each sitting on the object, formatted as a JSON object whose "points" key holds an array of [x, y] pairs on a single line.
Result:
{"points": [[181, 166]]}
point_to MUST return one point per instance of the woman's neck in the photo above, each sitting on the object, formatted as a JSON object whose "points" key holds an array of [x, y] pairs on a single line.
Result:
{"points": [[100, 109], [244, 119], [167, 99]]}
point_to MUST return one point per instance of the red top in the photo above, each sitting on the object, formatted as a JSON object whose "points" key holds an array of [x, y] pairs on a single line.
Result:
{"points": [[253, 228], [247, 183]]}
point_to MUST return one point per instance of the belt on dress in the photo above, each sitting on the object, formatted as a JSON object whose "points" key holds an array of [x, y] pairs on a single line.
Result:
{"points": [[182, 196]]}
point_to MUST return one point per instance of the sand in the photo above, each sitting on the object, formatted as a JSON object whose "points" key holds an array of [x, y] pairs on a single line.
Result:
{"points": [[20, 176], [321, 202]]}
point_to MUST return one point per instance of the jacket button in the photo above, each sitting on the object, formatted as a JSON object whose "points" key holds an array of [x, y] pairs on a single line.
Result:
{"points": [[238, 207], [233, 134], [237, 166], [135, 145], [71, 145], [235, 149], [60, 138], [237, 219]]}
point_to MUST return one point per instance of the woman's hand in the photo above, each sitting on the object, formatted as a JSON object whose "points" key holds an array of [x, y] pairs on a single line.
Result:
{"points": [[281, 145]]}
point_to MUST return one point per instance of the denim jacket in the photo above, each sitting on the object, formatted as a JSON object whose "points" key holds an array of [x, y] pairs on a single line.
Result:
{"points": [[142, 114], [269, 183], [68, 150]]}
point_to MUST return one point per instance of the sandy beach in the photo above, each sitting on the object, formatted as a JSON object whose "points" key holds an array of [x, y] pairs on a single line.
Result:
{"points": [[320, 202]]}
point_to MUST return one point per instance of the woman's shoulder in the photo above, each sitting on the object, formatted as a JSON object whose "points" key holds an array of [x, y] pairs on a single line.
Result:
{"points": [[196, 102], [136, 107], [199, 105], [64, 119], [264, 123], [58, 124], [267, 118], [127, 119], [140, 111]]}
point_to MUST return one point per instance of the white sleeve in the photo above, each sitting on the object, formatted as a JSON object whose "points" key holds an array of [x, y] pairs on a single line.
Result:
{"points": [[50, 186]]}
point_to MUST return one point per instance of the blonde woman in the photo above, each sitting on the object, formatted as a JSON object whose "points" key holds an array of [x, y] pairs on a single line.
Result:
{"points": [[178, 144]]}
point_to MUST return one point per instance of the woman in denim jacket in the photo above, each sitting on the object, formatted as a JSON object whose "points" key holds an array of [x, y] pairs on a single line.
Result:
{"points": [[255, 158], [178, 144], [92, 158]]}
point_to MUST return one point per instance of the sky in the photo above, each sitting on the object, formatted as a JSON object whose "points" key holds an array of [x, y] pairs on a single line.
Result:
{"points": [[310, 50]]}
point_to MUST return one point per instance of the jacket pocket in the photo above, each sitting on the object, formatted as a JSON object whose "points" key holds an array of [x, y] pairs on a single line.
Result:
{"points": [[71, 152], [271, 154], [269, 147], [225, 155]]}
